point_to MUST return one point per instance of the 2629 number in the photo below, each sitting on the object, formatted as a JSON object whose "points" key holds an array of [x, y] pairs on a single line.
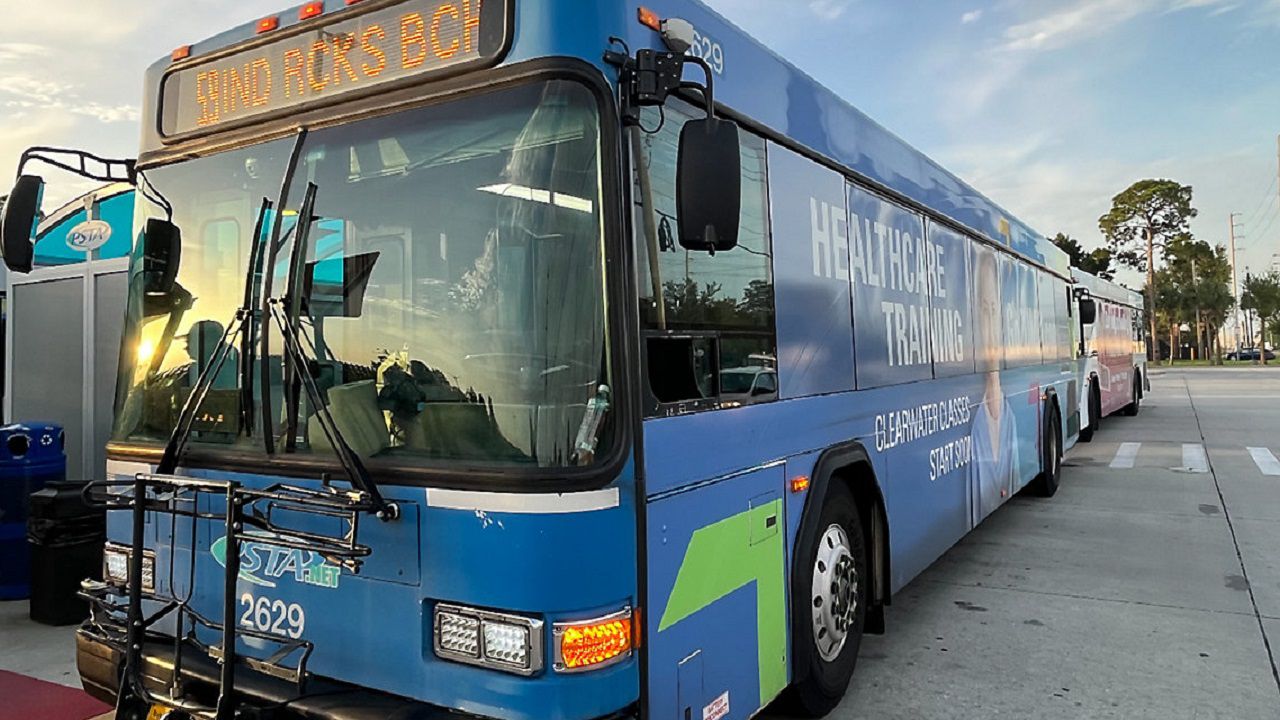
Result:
{"points": [[272, 616], [709, 50]]}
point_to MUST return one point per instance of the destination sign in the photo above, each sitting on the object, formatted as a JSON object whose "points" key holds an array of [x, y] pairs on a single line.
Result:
{"points": [[328, 60]]}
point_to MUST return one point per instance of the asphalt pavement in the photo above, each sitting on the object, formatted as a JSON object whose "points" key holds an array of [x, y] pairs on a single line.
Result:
{"points": [[1148, 588]]}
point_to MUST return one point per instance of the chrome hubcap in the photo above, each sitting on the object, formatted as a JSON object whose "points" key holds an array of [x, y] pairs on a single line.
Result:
{"points": [[834, 596]]}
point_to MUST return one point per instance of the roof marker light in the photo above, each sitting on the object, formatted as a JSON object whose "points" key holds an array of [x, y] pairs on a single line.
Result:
{"points": [[267, 24], [352, 2], [181, 53], [650, 19], [311, 9]]}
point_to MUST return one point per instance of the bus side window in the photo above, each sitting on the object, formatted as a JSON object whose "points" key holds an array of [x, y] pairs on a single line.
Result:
{"points": [[708, 320]]}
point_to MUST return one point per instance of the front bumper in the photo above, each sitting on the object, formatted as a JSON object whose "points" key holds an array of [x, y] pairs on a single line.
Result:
{"points": [[262, 697]]}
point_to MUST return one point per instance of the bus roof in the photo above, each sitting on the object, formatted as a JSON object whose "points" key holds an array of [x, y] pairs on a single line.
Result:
{"points": [[754, 82], [1106, 289]]}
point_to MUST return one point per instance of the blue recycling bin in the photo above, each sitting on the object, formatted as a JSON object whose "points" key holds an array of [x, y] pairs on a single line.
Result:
{"points": [[31, 455]]}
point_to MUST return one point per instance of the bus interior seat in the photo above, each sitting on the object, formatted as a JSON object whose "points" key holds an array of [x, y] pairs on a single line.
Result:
{"points": [[355, 412], [506, 431]]}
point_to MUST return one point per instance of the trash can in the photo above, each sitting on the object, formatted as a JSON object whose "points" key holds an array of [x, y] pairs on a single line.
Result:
{"points": [[31, 455], [66, 538]]}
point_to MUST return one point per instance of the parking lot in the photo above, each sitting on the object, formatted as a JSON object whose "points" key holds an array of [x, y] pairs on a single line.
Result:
{"points": [[1148, 588]]}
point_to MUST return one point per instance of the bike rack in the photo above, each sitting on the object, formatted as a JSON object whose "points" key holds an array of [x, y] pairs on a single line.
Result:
{"points": [[250, 515]]}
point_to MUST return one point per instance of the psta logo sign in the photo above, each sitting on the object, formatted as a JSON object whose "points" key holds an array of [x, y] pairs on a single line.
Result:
{"points": [[263, 564], [89, 236]]}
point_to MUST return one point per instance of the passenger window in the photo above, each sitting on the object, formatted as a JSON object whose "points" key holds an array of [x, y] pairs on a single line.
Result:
{"points": [[708, 320]]}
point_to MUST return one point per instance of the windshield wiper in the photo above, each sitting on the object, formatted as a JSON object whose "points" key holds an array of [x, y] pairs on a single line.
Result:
{"points": [[272, 254], [252, 281], [286, 312], [293, 309], [243, 324], [190, 409], [357, 473]]}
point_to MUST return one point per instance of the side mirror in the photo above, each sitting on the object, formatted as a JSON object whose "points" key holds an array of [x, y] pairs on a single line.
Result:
{"points": [[1088, 311], [18, 223], [709, 185], [161, 256]]}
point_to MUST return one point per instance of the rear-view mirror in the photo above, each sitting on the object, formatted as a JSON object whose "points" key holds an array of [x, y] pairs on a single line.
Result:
{"points": [[709, 185], [18, 223], [1088, 311], [161, 256], [335, 287]]}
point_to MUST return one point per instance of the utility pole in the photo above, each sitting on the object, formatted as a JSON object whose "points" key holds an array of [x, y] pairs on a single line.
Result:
{"points": [[1235, 279], [1153, 345], [1200, 339], [1248, 314]]}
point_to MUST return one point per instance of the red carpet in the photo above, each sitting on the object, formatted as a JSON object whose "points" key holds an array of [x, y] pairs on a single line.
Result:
{"points": [[24, 698]]}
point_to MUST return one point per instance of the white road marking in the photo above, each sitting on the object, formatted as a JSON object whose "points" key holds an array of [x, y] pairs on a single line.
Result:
{"points": [[1126, 456], [1194, 458], [1265, 461]]}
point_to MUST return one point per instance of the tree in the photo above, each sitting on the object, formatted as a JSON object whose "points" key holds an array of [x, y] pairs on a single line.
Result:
{"points": [[1195, 287], [1262, 295], [1097, 262], [1151, 212]]}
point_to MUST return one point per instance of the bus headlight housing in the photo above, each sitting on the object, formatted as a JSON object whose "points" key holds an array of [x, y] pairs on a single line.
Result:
{"points": [[115, 567], [499, 641], [593, 644]]}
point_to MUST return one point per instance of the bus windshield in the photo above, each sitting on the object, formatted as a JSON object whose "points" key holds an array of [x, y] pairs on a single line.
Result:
{"points": [[452, 289]]}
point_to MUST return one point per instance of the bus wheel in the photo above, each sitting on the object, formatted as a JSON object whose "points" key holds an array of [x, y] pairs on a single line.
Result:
{"points": [[836, 610], [1046, 483], [1131, 410], [1095, 413]]}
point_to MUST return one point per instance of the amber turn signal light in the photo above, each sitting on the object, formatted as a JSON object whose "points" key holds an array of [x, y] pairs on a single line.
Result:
{"points": [[593, 644]]}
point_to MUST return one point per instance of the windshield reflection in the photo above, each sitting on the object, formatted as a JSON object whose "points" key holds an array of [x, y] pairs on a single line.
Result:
{"points": [[451, 296]]}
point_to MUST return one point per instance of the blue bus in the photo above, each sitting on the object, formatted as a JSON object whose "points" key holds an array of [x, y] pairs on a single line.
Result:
{"points": [[543, 361]]}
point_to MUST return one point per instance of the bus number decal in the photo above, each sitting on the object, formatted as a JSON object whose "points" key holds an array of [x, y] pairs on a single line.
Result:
{"points": [[709, 50], [272, 616]]}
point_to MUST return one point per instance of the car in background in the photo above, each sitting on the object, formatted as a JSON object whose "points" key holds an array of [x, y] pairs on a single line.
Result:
{"points": [[749, 384], [1249, 354]]}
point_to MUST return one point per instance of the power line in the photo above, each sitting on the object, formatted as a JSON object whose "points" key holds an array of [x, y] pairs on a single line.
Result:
{"points": [[1261, 203], [1251, 229]]}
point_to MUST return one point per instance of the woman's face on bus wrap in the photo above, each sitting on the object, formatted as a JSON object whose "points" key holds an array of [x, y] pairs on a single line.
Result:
{"points": [[988, 313]]}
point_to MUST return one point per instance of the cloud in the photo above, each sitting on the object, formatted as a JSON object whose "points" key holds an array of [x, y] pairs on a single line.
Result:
{"points": [[1072, 23], [1080, 20], [971, 17], [829, 9], [27, 93]]}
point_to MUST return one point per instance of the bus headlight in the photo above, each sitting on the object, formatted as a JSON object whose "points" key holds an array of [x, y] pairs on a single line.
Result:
{"points": [[500, 641], [115, 567], [593, 644]]}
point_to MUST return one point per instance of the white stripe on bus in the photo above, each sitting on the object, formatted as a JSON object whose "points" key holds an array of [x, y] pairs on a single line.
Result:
{"points": [[1126, 456], [1194, 458], [523, 503], [1265, 461]]}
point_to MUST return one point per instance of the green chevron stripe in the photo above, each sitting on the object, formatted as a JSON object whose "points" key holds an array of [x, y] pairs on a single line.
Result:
{"points": [[720, 560]]}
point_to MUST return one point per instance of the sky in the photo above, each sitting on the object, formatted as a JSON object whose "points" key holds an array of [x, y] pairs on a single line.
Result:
{"points": [[1050, 107]]}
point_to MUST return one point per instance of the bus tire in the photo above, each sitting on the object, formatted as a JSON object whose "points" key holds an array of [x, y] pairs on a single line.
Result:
{"points": [[1132, 409], [1046, 483], [836, 608], [1094, 413]]}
